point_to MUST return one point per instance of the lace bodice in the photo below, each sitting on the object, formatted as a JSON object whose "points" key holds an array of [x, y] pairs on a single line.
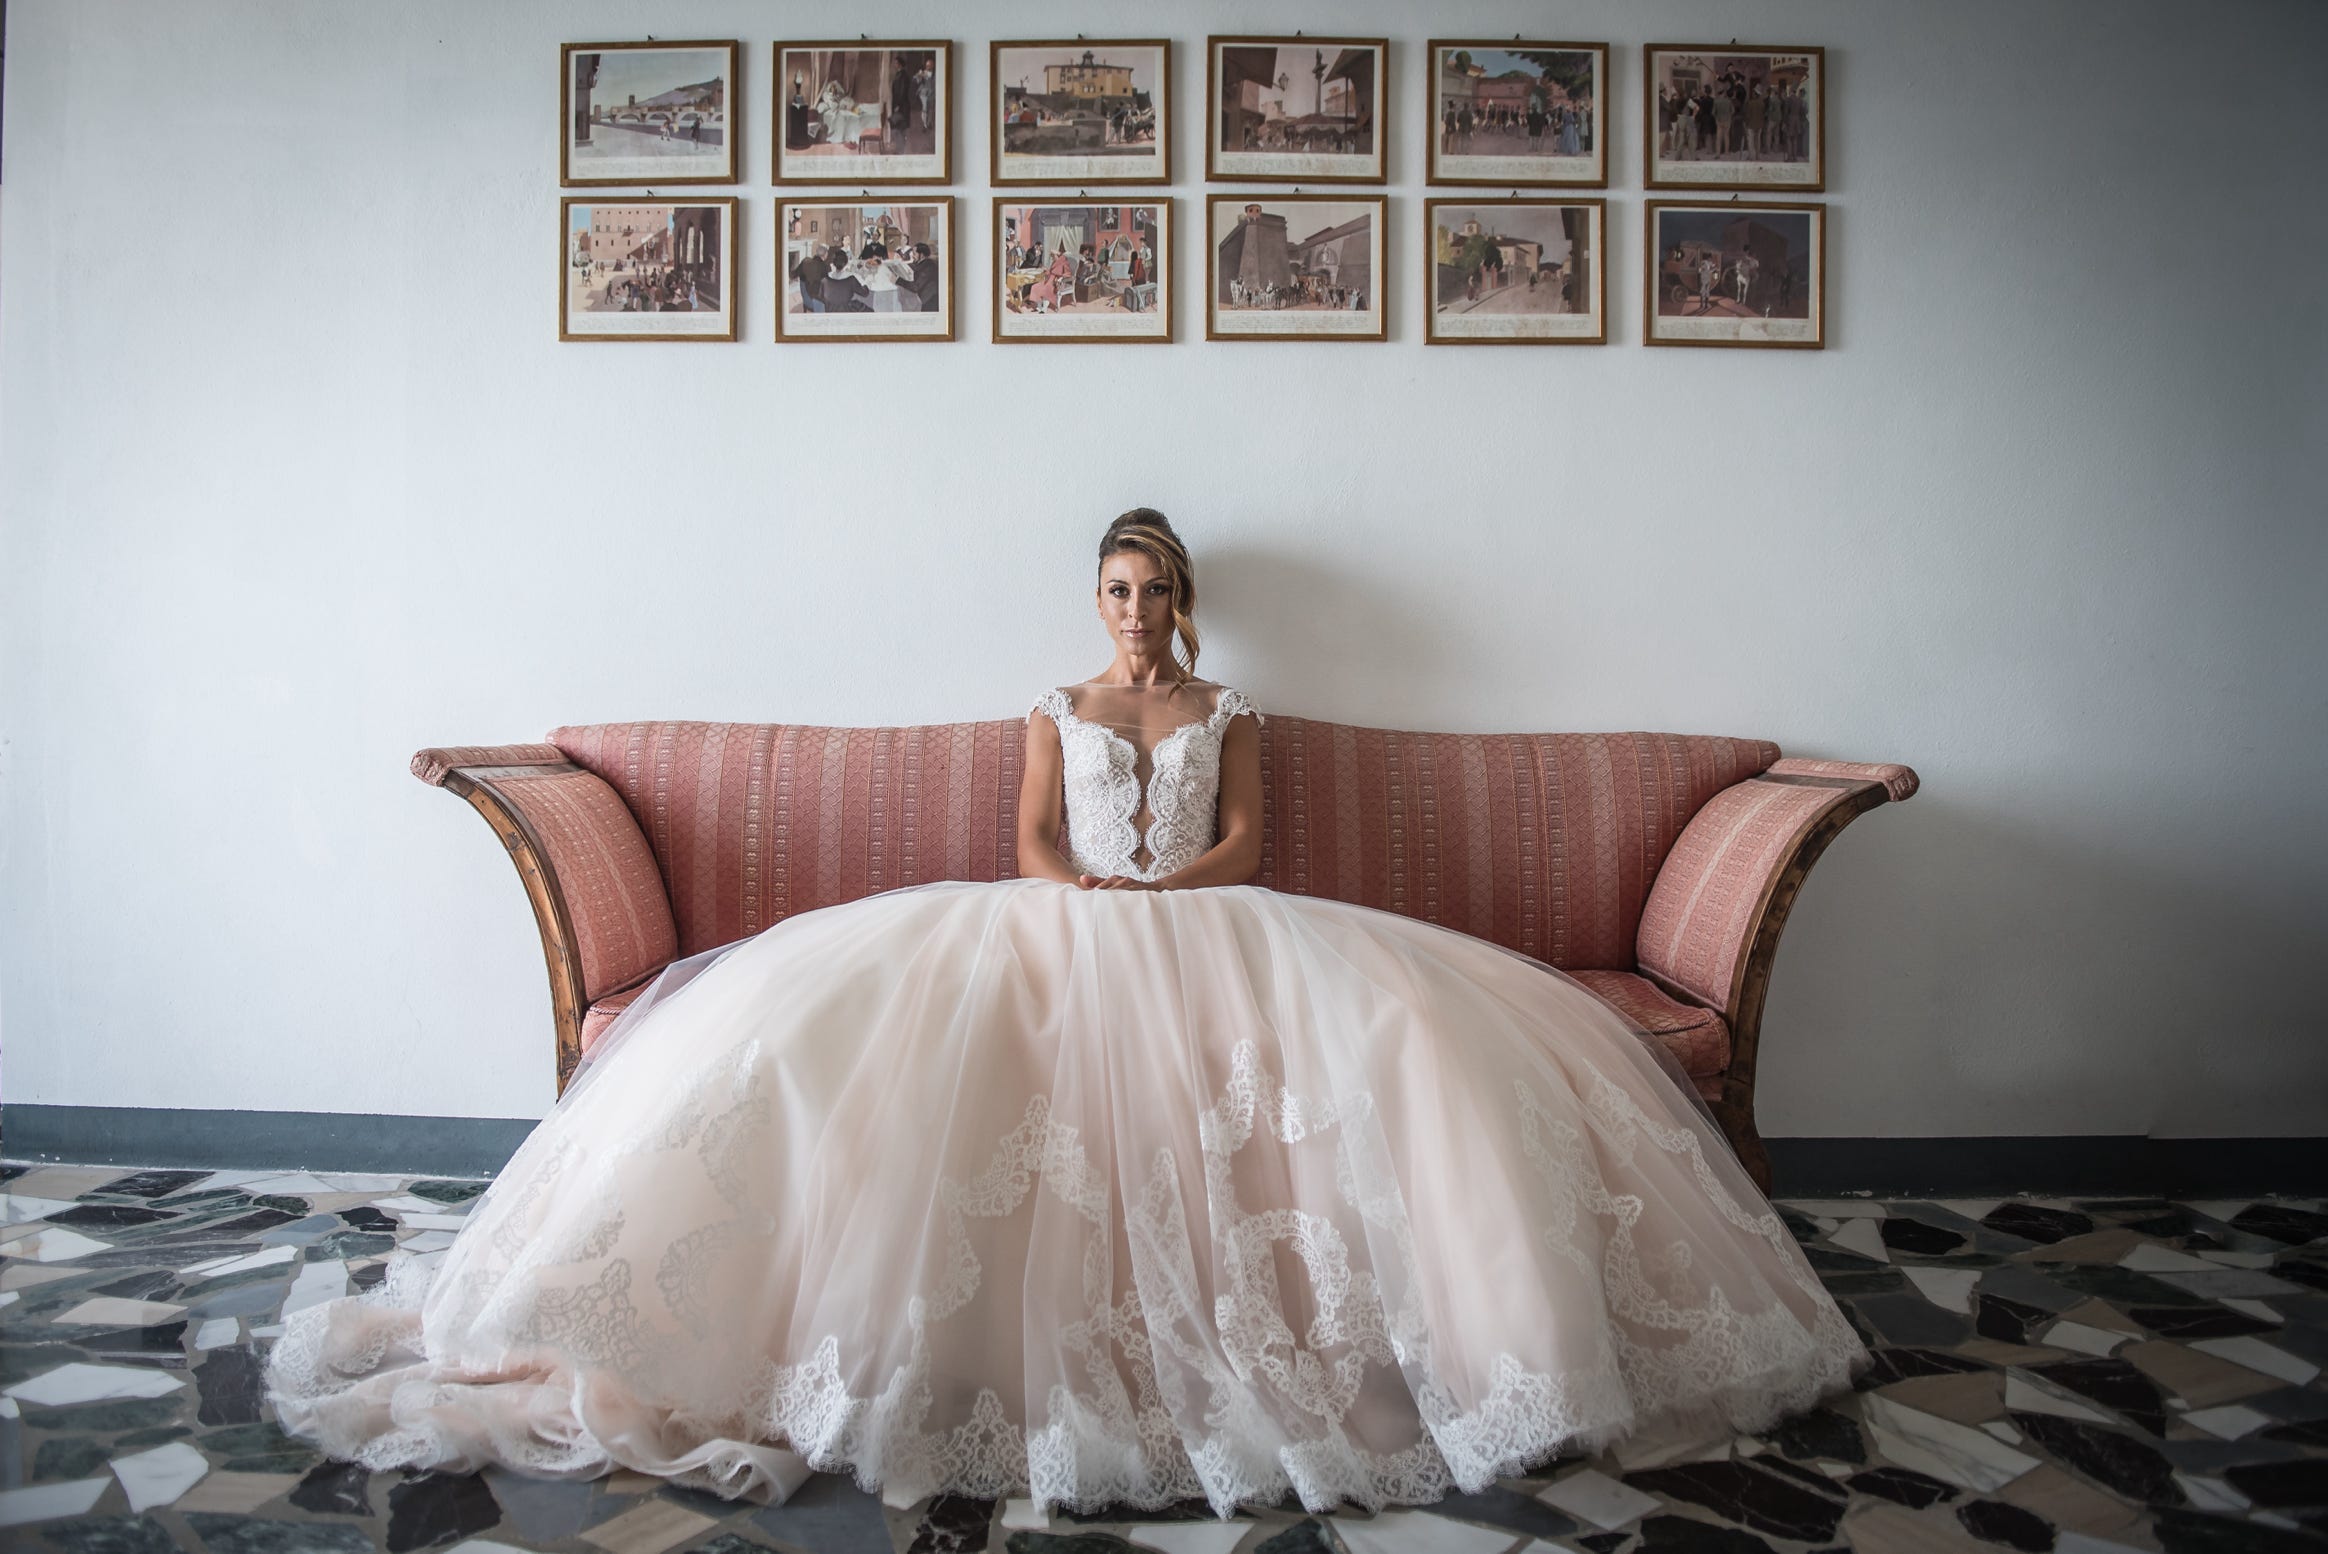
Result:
{"points": [[1104, 794]]}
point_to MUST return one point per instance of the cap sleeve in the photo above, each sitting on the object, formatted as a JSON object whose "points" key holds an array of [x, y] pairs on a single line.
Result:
{"points": [[1233, 701], [1053, 704]]}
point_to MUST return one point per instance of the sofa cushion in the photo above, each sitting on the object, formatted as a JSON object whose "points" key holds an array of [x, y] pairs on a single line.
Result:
{"points": [[1698, 1037], [601, 1014], [1544, 843]]}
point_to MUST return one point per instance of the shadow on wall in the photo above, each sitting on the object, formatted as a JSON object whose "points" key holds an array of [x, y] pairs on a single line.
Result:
{"points": [[2042, 986]]}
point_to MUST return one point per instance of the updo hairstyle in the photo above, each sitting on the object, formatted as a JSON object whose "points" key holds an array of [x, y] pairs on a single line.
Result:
{"points": [[1149, 532]]}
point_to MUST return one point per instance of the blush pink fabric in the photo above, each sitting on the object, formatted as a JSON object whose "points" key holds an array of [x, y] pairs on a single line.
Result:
{"points": [[1544, 843], [600, 1015], [1698, 1038], [432, 766], [751, 822], [1898, 781], [614, 897], [1695, 928]]}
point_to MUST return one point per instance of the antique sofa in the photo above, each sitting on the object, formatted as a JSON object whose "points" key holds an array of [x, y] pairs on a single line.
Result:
{"points": [[1658, 869]]}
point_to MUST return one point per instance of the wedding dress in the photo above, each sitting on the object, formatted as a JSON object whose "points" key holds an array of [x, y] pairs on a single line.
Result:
{"points": [[1095, 1196]]}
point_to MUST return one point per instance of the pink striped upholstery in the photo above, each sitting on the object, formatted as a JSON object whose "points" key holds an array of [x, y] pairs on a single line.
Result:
{"points": [[432, 766], [1698, 1038], [600, 1015], [753, 821], [1898, 781], [1696, 927], [614, 897], [1545, 843]]}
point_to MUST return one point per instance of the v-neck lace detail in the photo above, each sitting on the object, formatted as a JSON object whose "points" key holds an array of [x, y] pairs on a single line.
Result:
{"points": [[1104, 793]]}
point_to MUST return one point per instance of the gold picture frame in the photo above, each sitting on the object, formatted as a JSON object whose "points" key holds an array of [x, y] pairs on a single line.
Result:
{"points": [[1766, 274], [803, 112], [654, 122], [1533, 322], [646, 267], [810, 223], [1276, 264], [1793, 76], [1524, 166], [1366, 99], [1017, 301], [1073, 168]]}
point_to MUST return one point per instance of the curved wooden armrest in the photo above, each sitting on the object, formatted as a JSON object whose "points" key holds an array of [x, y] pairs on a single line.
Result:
{"points": [[1899, 782], [434, 765], [598, 896], [1710, 929]]}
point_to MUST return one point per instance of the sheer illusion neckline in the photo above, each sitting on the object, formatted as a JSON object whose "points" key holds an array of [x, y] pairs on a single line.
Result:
{"points": [[1109, 731]]}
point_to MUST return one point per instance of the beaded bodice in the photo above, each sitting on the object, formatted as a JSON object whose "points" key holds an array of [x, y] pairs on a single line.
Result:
{"points": [[1105, 795]]}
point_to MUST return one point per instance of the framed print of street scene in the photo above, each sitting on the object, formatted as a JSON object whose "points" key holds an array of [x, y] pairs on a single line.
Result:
{"points": [[1513, 115], [1515, 272], [1295, 267], [864, 113], [1081, 112], [1296, 110], [1089, 273], [648, 113], [859, 270], [1725, 117], [1736, 273], [634, 269]]}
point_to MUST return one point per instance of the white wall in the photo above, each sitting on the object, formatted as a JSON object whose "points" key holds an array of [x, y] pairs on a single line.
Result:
{"points": [[297, 478]]}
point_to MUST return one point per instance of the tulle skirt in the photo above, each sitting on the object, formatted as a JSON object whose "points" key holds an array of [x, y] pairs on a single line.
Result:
{"points": [[1098, 1197]]}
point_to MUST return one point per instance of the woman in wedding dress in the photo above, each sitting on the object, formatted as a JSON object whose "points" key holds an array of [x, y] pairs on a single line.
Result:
{"points": [[1125, 1182]]}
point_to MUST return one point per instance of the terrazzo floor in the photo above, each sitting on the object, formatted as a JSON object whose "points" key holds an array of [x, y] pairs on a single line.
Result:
{"points": [[2079, 1376]]}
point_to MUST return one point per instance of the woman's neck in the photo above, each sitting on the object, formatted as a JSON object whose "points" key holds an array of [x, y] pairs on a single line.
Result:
{"points": [[1148, 673]]}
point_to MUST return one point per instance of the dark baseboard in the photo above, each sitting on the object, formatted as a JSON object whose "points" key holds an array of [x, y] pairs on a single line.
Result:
{"points": [[2079, 1164], [2083, 1165], [234, 1140]]}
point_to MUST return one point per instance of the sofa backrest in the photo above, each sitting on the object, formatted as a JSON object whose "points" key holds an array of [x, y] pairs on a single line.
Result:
{"points": [[1544, 843]]}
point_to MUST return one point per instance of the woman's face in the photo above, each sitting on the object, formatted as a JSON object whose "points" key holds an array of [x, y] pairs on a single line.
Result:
{"points": [[1135, 600]]}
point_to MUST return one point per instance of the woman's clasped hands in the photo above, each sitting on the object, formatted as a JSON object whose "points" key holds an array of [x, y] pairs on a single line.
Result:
{"points": [[1114, 882]]}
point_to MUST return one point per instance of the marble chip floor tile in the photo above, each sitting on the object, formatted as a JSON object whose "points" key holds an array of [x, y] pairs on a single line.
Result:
{"points": [[2079, 1376]]}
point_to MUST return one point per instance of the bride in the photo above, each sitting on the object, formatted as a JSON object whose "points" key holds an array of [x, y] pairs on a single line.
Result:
{"points": [[1124, 1182]]}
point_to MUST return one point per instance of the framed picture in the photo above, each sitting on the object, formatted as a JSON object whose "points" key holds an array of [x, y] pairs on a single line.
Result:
{"points": [[1295, 267], [1510, 115], [1515, 272], [633, 269], [648, 113], [1081, 112], [863, 113], [1296, 110], [865, 271], [1721, 116], [1089, 273], [1736, 273]]}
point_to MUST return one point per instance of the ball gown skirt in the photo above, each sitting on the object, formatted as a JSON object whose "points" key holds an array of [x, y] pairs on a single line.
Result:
{"points": [[1102, 1197]]}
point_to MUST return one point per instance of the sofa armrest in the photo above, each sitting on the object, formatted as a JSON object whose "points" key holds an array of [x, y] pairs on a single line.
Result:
{"points": [[1899, 782], [1710, 928], [433, 765], [598, 896]]}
